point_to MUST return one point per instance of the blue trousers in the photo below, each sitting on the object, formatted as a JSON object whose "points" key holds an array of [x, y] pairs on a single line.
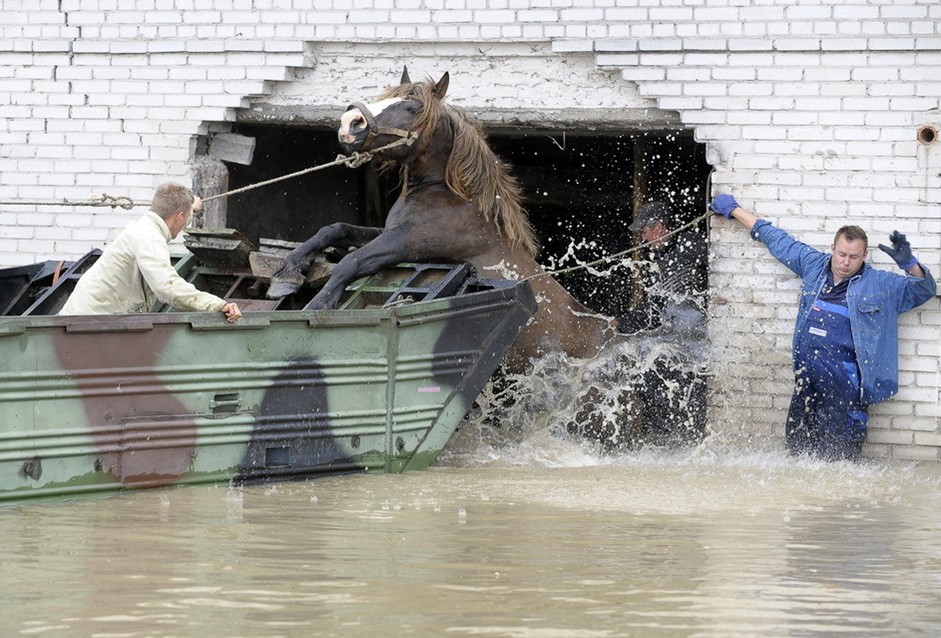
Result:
{"points": [[826, 418]]}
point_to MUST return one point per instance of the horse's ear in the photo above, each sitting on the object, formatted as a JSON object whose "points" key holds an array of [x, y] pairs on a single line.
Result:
{"points": [[442, 86], [405, 78]]}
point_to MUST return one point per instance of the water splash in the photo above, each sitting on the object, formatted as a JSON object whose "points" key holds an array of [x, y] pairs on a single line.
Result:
{"points": [[582, 410]]}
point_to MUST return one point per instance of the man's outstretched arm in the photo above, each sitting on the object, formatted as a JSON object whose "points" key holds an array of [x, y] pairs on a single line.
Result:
{"points": [[726, 206]]}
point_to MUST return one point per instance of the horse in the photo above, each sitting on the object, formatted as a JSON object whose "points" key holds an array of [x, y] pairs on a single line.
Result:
{"points": [[459, 203]]}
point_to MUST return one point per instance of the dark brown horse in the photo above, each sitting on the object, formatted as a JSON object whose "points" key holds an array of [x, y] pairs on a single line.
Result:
{"points": [[458, 204]]}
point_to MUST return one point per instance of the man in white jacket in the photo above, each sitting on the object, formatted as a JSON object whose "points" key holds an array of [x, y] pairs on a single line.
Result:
{"points": [[135, 269]]}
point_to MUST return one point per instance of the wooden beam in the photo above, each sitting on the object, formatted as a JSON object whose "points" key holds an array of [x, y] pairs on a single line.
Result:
{"points": [[232, 147]]}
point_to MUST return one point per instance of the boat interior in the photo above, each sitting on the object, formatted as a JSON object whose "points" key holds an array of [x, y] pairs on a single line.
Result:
{"points": [[226, 264]]}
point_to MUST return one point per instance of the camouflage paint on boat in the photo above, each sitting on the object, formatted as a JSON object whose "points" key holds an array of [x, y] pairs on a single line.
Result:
{"points": [[111, 402]]}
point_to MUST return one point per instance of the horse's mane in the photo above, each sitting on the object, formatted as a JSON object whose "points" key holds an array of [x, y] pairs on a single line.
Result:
{"points": [[473, 172]]}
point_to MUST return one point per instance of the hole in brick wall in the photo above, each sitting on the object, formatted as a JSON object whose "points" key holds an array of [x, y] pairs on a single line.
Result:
{"points": [[578, 186], [927, 134]]}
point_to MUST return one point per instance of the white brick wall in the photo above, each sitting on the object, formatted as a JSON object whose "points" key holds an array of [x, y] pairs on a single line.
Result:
{"points": [[811, 133], [809, 109]]}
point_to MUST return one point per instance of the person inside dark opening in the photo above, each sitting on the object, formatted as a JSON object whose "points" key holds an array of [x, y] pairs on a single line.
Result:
{"points": [[670, 327]]}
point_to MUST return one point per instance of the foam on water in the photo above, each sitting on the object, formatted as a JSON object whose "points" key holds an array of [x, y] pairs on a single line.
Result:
{"points": [[697, 482]]}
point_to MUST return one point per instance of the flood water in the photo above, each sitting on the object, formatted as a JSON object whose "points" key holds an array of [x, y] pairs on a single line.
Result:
{"points": [[541, 541]]}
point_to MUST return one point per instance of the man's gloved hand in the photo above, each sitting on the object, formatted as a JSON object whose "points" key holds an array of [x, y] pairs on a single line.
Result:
{"points": [[901, 250], [723, 205]]}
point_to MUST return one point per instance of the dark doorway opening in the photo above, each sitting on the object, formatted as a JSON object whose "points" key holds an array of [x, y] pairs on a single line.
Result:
{"points": [[294, 209], [581, 189]]}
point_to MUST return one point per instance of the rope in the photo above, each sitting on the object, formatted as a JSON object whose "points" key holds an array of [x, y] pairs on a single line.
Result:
{"points": [[634, 249], [352, 161], [119, 201], [122, 201], [617, 255]]}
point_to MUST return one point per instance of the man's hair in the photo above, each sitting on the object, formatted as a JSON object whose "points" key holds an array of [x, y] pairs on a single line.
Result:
{"points": [[171, 198], [852, 233]]}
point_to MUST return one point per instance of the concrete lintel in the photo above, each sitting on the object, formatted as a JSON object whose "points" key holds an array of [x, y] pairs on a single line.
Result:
{"points": [[582, 120], [322, 116]]}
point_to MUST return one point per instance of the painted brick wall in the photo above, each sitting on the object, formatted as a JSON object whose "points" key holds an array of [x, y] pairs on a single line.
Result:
{"points": [[812, 115], [810, 109]]}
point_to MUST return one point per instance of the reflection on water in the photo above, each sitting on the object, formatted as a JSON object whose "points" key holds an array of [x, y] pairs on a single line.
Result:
{"points": [[558, 542]]}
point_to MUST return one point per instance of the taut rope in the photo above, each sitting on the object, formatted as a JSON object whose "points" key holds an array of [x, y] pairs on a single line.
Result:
{"points": [[114, 201], [122, 201], [617, 255], [629, 251]]}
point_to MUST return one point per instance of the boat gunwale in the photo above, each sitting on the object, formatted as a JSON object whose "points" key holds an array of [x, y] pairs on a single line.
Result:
{"points": [[501, 293]]}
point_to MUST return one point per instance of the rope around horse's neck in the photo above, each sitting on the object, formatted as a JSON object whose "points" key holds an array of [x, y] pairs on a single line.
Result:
{"points": [[618, 255], [123, 201]]}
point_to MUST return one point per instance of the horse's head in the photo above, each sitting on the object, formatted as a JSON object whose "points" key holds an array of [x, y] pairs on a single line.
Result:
{"points": [[401, 112], [450, 146]]}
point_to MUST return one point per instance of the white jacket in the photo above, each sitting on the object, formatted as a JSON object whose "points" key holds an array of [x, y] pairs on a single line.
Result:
{"points": [[134, 271]]}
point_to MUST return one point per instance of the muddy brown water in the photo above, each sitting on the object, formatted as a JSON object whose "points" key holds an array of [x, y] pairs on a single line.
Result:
{"points": [[557, 542]]}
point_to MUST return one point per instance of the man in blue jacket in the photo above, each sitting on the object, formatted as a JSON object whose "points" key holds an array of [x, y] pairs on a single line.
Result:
{"points": [[846, 336]]}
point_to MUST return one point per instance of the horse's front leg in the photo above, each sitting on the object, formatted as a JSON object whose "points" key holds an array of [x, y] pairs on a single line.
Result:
{"points": [[290, 274], [388, 249]]}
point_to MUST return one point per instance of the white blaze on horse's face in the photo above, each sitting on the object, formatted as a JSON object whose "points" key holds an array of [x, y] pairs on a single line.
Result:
{"points": [[353, 122]]}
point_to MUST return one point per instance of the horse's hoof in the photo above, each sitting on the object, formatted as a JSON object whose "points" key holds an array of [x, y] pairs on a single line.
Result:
{"points": [[283, 288], [322, 301]]}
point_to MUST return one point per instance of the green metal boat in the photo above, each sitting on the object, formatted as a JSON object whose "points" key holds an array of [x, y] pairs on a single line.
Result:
{"points": [[100, 403]]}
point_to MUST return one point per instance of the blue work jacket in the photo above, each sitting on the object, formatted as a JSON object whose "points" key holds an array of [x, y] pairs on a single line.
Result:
{"points": [[875, 299]]}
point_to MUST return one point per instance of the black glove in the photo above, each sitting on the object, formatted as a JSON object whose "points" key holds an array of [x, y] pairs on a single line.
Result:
{"points": [[901, 250]]}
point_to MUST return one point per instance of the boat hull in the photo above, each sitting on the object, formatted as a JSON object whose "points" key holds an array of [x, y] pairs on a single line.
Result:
{"points": [[92, 404]]}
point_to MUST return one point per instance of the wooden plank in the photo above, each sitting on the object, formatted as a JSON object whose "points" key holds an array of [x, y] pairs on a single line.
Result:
{"points": [[232, 147], [219, 247], [271, 252]]}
